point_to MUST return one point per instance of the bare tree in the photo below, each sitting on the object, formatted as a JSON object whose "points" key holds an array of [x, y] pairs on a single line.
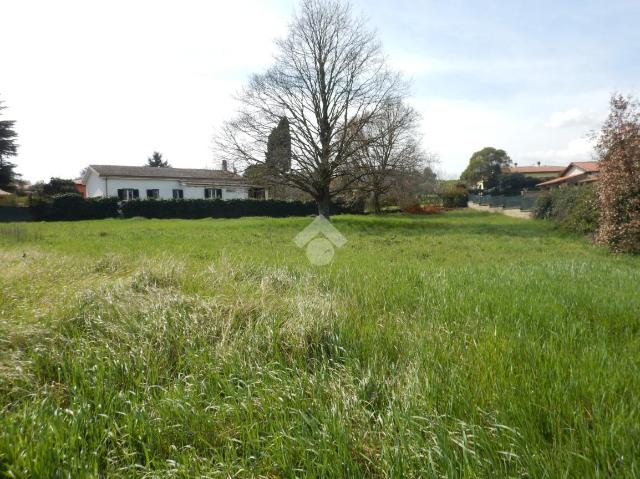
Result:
{"points": [[328, 70], [391, 149]]}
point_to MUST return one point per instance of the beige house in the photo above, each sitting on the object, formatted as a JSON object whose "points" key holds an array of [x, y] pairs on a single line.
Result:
{"points": [[577, 173], [542, 172]]}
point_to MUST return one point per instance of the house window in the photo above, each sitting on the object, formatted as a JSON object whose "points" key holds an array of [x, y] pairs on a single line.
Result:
{"points": [[126, 194], [257, 193], [178, 194], [153, 194], [213, 193]]}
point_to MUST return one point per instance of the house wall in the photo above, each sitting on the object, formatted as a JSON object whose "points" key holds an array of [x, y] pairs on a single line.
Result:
{"points": [[96, 186], [513, 212], [542, 176], [82, 189], [100, 187], [574, 170]]}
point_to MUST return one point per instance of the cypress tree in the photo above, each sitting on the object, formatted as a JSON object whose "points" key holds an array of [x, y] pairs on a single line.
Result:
{"points": [[8, 147], [279, 147]]}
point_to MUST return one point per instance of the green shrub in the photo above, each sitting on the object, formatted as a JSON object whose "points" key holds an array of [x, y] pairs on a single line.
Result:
{"points": [[72, 206], [543, 205], [454, 199], [513, 183], [9, 200], [573, 208], [15, 213]]}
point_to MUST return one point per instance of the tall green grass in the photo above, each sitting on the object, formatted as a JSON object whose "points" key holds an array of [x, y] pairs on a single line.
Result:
{"points": [[463, 345]]}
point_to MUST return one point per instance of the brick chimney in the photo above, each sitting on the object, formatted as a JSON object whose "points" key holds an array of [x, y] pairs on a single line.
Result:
{"points": [[224, 165]]}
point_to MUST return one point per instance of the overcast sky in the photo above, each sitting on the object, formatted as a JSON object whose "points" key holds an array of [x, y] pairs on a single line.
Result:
{"points": [[109, 82]]}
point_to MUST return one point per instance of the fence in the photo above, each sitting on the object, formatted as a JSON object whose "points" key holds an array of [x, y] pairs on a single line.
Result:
{"points": [[522, 202], [15, 213]]}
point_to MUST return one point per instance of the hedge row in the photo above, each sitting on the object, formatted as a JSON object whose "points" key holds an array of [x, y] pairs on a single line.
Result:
{"points": [[573, 208], [454, 199], [72, 206], [15, 213], [191, 209]]}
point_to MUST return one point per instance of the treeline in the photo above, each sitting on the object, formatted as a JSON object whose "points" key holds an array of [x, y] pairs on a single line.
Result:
{"points": [[454, 198], [72, 207]]}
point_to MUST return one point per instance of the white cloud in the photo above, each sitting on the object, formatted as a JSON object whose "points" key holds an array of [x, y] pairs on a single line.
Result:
{"points": [[579, 149], [571, 117], [110, 82], [416, 65], [456, 129]]}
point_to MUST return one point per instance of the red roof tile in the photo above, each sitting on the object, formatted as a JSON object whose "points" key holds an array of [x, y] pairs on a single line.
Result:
{"points": [[590, 166], [579, 178]]}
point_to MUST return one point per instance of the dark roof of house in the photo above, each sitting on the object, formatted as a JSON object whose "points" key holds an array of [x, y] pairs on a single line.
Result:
{"points": [[165, 173], [534, 169]]}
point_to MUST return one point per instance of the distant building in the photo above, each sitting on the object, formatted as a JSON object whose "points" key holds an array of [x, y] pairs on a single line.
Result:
{"points": [[536, 171], [80, 187], [540, 172], [577, 173], [140, 182]]}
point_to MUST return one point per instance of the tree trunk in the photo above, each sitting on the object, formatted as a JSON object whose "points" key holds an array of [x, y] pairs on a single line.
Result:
{"points": [[324, 205], [376, 203]]}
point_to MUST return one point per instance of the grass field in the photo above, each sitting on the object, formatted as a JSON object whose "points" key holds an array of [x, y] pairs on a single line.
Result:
{"points": [[460, 345]]}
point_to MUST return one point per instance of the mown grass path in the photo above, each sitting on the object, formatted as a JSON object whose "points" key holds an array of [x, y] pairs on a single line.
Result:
{"points": [[460, 345]]}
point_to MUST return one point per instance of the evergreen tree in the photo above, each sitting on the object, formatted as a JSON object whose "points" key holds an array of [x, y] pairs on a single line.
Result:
{"points": [[277, 160], [157, 161], [278, 156], [8, 147], [486, 165], [58, 186]]}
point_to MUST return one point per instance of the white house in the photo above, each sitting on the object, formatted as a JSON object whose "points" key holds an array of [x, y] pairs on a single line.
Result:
{"points": [[133, 182]]}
